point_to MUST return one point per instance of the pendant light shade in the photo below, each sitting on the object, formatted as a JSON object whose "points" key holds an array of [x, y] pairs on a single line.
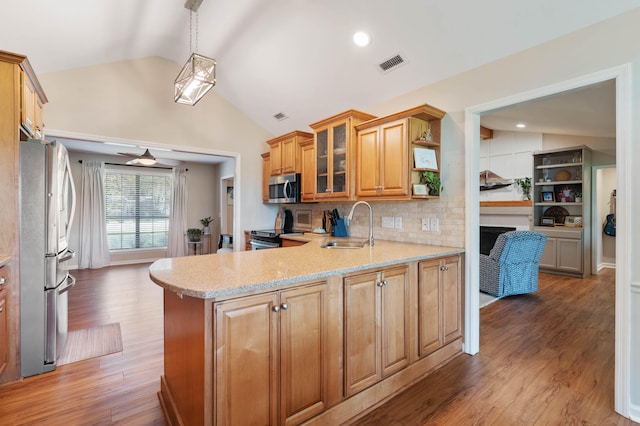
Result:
{"points": [[196, 78], [198, 75]]}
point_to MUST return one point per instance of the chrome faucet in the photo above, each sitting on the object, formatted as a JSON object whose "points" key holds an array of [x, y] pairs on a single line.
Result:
{"points": [[350, 217]]}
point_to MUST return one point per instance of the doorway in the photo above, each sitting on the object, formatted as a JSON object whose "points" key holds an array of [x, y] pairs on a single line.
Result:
{"points": [[622, 76]]}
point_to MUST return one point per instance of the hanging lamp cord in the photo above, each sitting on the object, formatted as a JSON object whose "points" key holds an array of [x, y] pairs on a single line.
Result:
{"points": [[191, 31]]}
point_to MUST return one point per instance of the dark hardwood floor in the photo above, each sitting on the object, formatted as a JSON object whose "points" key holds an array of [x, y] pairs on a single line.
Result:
{"points": [[545, 358]]}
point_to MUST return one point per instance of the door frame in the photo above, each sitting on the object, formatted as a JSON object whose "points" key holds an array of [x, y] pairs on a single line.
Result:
{"points": [[622, 75]]}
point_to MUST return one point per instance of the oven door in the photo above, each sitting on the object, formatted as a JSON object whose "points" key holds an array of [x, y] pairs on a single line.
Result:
{"points": [[263, 245]]}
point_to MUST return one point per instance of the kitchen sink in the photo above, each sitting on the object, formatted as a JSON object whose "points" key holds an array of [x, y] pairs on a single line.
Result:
{"points": [[343, 244]]}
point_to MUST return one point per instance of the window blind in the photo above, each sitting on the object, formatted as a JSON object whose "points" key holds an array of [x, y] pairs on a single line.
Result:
{"points": [[137, 204]]}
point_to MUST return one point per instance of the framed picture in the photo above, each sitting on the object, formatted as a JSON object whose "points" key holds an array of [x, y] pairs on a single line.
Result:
{"points": [[419, 189], [547, 221], [229, 195], [573, 221], [424, 158], [547, 197]]}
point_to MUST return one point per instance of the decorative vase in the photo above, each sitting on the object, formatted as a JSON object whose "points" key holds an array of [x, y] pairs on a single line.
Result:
{"points": [[206, 230]]}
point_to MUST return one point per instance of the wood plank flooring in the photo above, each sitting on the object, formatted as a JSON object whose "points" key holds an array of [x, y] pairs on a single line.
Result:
{"points": [[116, 389], [545, 358]]}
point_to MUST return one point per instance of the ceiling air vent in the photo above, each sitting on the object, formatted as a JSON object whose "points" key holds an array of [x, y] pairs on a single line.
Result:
{"points": [[280, 116], [391, 63]]}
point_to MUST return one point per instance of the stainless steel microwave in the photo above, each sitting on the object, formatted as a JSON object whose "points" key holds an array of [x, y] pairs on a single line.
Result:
{"points": [[284, 188]]}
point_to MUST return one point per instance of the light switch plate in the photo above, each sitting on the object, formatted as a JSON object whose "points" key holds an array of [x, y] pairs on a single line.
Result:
{"points": [[398, 221], [425, 224], [388, 222]]}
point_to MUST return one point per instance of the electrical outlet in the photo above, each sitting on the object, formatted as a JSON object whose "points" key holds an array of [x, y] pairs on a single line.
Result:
{"points": [[388, 222], [425, 224], [435, 225], [398, 221]]}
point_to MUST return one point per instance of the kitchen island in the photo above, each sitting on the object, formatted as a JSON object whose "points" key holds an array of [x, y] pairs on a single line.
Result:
{"points": [[304, 334]]}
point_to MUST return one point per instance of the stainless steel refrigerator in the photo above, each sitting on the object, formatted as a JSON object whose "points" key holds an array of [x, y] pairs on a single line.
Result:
{"points": [[47, 204]]}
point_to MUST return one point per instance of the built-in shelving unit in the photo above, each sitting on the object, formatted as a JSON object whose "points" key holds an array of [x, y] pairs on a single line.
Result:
{"points": [[562, 208]]}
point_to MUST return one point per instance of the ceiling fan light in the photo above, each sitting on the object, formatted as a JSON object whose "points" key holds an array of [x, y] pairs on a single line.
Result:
{"points": [[146, 159], [195, 79]]}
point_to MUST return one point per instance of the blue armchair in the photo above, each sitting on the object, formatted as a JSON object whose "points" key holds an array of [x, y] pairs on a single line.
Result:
{"points": [[512, 265]]}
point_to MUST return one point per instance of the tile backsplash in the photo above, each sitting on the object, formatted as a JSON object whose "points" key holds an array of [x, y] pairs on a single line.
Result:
{"points": [[449, 211]]}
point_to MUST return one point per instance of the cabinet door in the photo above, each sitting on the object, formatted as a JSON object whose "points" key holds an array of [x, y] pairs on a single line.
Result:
{"points": [[288, 152], [27, 116], [276, 159], [340, 161], [367, 163], [308, 172], [569, 252], [266, 173], [246, 362], [394, 162], [322, 163], [4, 335], [362, 343], [429, 336], [394, 324], [451, 278], [548, 258], [303, 355]]}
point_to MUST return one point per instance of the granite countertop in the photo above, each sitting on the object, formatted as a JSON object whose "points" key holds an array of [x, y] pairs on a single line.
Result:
{"points": [[227, 274]]}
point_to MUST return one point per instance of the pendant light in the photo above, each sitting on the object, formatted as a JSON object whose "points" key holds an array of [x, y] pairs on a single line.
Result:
{"points": [[198, 75]]}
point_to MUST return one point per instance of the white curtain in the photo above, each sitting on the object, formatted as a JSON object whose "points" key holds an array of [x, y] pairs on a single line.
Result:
{"points": [[94, 250], [178, 217]]}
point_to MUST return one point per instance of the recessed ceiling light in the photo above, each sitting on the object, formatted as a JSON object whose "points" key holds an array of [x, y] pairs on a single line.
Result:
{"points": [[521, 125], [361, 39]]}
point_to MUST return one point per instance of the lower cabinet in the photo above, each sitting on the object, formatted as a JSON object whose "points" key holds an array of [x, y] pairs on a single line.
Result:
{"points": [[563, 255], [4, 335], [376, 321], [269, 357], [439, 303]]}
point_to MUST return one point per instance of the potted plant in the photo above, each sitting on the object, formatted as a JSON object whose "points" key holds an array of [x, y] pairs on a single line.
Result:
{"points": [[205, 224], [432, 181], [577, 195], [193, 234], [525, 186]]}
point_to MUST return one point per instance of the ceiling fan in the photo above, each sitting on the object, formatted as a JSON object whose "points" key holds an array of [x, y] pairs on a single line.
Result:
{"points": [[147, 159]]}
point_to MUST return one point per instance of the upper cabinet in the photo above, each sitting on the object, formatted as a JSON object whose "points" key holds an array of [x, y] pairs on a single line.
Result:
{"points": [[266, 173], [335, 155], [32, 98], [393, 152], [285, 152], [308, 170]]}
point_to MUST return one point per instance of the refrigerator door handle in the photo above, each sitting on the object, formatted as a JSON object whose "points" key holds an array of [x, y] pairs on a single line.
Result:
{"points": [[71, 281], [68, 254], [73, 199]]}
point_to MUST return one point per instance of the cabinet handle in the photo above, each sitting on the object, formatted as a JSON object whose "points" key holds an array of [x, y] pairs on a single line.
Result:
{"points": [[380, 284], [3, 280], [1, 309], [284, 306], [444, 268], [276, 308]]}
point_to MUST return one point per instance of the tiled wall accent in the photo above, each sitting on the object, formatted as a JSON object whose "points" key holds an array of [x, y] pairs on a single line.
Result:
{"points": [[450, 211]]}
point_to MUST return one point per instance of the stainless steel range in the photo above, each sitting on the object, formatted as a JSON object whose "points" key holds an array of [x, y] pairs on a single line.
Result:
{"points": [[269, 238]]}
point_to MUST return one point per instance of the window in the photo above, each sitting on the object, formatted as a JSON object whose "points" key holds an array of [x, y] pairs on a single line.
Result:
{"points": [[137, 204]]}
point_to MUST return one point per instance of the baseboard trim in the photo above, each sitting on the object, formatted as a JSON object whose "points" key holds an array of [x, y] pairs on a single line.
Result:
{"points": [[168, 405]]}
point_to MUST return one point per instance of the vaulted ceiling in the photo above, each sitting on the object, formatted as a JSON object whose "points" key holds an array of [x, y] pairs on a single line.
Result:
{"points": [[296, 56]]}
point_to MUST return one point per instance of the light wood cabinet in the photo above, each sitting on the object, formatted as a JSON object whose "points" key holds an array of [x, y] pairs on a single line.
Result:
{"points": [[20, 96], [270, 357], [559, 176], [439, 303], [334, 141], [4, 332], [386, 166], [285, 152], [376, 319], [382, 163], [266, 173], [308, 170]]}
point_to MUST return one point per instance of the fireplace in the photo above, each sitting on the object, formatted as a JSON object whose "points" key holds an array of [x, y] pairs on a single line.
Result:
{"points": [[489, 235]]}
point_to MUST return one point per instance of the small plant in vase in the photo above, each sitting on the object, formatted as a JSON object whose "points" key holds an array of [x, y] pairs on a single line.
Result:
{"points": [[577, 195], [194, 234], [205, 224], [432, 181], [525, 187]]}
